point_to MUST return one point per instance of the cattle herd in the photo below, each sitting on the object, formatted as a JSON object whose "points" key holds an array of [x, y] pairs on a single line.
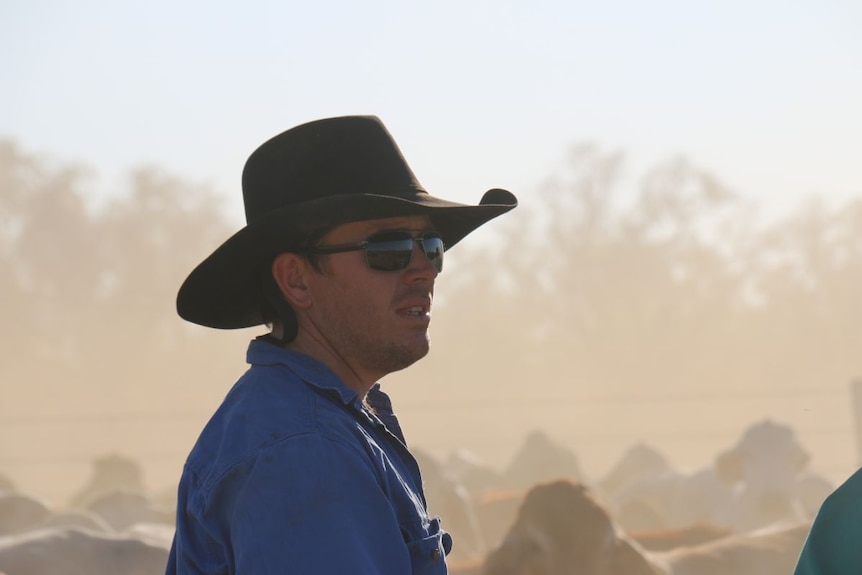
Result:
{"points": [[748, 512]]}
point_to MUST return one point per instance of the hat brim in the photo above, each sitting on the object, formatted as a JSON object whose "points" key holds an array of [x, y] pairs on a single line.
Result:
{"points": [[223, 290]]}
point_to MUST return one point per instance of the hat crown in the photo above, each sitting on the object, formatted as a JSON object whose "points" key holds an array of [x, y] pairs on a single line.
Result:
{"points": [[330, 157]]}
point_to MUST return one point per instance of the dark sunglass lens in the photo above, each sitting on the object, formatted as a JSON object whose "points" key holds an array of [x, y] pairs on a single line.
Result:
{"points": [[389, 254], [433, 246]]}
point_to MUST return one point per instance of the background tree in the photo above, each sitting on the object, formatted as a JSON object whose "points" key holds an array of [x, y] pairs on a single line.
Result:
{"points": [[604, 309]]}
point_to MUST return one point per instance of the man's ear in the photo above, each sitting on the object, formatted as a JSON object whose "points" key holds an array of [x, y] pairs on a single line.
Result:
{"points": [[289, 271]]}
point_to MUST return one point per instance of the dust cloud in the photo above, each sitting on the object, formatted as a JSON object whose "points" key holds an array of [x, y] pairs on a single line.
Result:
{"points": [[673, 318]]}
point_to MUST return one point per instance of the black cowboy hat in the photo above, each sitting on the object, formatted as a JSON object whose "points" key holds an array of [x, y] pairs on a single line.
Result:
{"points": [[319, 174]]}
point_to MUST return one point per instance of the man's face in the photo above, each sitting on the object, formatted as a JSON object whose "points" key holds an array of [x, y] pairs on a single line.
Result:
{"points": [[376, 321]]}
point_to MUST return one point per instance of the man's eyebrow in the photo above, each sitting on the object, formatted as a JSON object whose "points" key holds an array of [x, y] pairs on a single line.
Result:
{"points": [[420, 230], [394, 231]]}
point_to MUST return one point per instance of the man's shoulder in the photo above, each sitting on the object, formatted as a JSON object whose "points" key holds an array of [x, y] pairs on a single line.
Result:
{"points": [[833, 543], [267, 405], [847, 498]]}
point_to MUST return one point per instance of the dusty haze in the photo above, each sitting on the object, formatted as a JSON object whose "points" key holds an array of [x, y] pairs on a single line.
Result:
{"points": [[603, 313]]}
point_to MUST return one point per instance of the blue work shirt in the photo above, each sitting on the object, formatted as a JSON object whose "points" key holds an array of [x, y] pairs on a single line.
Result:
{"points": [[834, 544], [294, 475]]}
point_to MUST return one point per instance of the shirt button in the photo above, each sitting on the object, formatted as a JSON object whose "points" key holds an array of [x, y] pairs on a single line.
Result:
{"points": [[435, 554]]}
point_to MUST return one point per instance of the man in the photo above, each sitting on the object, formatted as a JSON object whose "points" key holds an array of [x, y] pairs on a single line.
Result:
{"points": [[303, 468], [832, 546]]}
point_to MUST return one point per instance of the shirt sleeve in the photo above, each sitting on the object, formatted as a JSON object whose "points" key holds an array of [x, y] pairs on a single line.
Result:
{"points": [[310, 504]]}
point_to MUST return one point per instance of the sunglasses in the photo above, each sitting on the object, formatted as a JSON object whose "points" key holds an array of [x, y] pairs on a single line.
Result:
{"points": [[391, 251]]}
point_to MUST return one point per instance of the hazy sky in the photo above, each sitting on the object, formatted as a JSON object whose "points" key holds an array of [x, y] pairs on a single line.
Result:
{"points": [[765, 94]]}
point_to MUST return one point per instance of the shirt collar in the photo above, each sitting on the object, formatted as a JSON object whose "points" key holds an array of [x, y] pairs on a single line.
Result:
{"points": [[310, 370], [315, 373]]}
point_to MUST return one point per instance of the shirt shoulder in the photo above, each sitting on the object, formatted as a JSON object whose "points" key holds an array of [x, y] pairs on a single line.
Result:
{"points": [[832, 545], [267, 405]]}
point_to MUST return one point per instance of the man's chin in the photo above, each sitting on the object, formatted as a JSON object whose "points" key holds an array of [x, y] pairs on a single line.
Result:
{"points": [[404, 358]]}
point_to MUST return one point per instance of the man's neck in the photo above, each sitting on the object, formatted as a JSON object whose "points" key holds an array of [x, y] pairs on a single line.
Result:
{"points": [[350, 374]]}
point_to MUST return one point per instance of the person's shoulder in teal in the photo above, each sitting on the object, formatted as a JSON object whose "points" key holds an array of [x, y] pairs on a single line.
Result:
{"points": [[834, 545]]}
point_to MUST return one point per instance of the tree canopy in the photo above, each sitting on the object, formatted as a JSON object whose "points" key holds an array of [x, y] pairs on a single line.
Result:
{"points": [[594, 282]]}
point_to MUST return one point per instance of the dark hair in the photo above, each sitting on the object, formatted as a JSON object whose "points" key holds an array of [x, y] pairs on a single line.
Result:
{"points": [[273, 306]]}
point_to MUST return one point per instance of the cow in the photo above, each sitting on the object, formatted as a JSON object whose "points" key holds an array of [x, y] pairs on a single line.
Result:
{"points": [[109, 474], [75, 550], [449, 499], [121, 509], [644, 492], [812, 489], [667, 539], [759, 481], [6, 484], [672, 499], [477, 476], [159, 534], [77, 518], [495, 511], [561, 528], [639, 461], [538, 459], [20, 512], [767, 470]]}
